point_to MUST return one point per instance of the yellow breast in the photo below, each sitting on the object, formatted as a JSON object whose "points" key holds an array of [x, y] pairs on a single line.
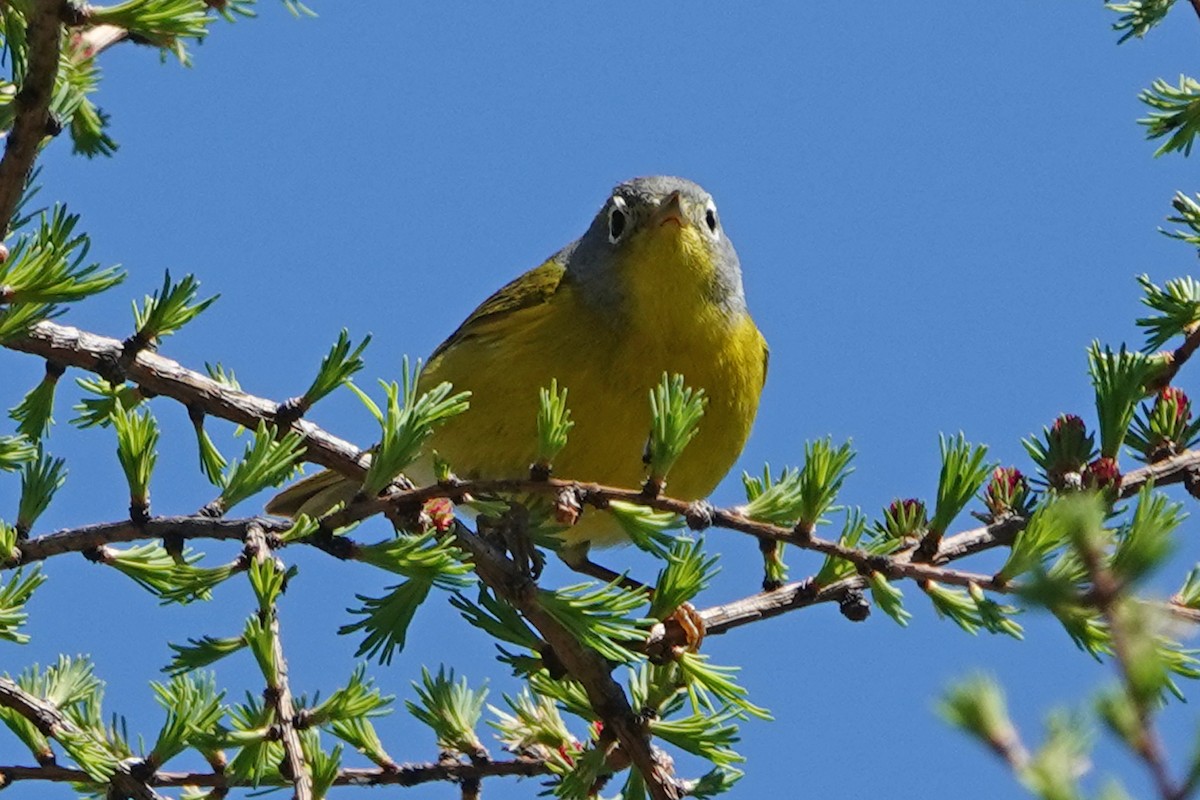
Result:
{"points": [[609, 363]]}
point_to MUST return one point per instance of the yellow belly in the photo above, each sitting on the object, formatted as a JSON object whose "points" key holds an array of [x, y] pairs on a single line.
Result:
{"points": [[609, 370]]}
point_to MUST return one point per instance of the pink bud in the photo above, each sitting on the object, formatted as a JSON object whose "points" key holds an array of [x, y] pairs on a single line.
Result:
{"points": [[1068, 422], [1178, 401]]}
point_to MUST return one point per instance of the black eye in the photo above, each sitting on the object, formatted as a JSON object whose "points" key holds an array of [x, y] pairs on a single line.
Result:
{"points": [[616, 223], [710, 218]]}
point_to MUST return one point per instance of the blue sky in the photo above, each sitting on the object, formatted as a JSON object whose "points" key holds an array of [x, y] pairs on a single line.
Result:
{"points": [[937, 208]]}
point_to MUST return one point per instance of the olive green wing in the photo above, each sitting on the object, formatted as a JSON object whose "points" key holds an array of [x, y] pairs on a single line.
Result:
{"points": [[533, 288]]}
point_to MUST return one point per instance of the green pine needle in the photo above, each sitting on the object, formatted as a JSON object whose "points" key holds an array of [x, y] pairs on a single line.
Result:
{"points": [[1146, 540], [709, 736], [535, 728], [169, 308], [1057, 766], [645, 527], [676, 411], [34, 414], [424, 557], [268, 579], [1177, 307], [196, 583], [212, 463], [137, 438], [704, 679], [553, 423], [338, 366], [47, 266], [268, 460], [15, 451], [497, 619], [718, 780], [359, 698], [149, 566], [835, 569], [688, 572], [407, 427], [1188, 211], [963, 473], [385, 620], [977, 707], [1175, 115], [162, 23], [801, 497], [194, 710], [108, 400], [324, 766], [452, 709], [1120, 380], [79, 78], [1138, 16], [360, 734], [888, 598], [596, 615], [17, 319], [201, 652], [13, 597], [40, 480], [249, 726]]}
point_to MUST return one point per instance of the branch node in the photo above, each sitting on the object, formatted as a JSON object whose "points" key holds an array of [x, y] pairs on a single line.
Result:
{"points": [[700, 515], [290, 411], [854, 605]]}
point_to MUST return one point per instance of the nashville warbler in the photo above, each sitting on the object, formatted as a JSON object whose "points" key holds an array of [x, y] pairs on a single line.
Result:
{"points": [[654, 286]]}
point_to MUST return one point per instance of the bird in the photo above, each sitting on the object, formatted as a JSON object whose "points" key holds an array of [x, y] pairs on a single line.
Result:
{"points": [[653, 286]]}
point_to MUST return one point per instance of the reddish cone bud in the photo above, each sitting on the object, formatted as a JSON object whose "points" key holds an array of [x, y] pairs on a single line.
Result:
{"points": [[1178, 403], [1068, 448], [1102, 474], [1007, 492], [905, 518], [438, 513], [1068, 423]]}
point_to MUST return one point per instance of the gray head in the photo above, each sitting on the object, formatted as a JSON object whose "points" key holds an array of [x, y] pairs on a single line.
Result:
{"points": [[631, 234]]}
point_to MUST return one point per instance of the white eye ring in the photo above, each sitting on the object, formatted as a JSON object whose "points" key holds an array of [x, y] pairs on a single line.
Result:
{"points": [[618, 220], [711, 221]]}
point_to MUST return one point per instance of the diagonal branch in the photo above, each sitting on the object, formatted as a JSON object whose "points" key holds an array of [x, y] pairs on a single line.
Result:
{"points": [[44, 715], [103, 356], [32, 103], [584, 665], [278, 693]]}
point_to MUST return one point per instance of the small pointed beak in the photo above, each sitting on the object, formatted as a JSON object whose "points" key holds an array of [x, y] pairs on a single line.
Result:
{"points": [[671, 210]]}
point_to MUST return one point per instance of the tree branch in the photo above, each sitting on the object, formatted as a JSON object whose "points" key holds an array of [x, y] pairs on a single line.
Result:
{"points": [[32, 103], [101, 355], [584, 665], [278, 693], [403, 775], [74, 540], [45, 716]]}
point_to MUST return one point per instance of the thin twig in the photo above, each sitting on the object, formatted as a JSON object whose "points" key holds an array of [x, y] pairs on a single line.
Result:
{"points": [[279, 694]]}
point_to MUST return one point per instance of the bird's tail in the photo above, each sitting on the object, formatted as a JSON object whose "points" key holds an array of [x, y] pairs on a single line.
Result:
{"points": [[315, 495]]}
